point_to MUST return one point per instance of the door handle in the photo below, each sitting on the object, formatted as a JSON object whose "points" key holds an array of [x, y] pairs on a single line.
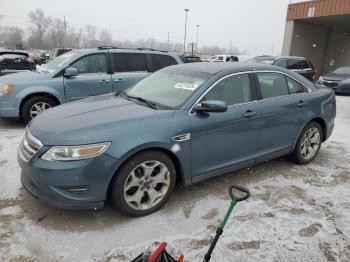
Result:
{"points": [[104, 81], [249, 113], [119, 80], [301, 103]]}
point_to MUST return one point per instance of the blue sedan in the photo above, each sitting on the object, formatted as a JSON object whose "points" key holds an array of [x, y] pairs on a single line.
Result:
{"points": [[182, 124]]}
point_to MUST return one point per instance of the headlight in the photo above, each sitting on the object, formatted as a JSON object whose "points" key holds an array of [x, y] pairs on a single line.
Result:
{"points": [[320, 79], [346, 81], [6, 89], [70, 153]]}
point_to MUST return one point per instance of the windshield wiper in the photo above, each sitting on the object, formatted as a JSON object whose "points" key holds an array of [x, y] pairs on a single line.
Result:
{"points": [[142, 100]]}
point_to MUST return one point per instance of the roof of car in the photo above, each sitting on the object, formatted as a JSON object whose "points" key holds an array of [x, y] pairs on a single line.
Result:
{"points": [[290, 57], [215, 68]]}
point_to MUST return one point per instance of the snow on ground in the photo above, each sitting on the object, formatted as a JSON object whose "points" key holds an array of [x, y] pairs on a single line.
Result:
{"points": [[295, 213]]}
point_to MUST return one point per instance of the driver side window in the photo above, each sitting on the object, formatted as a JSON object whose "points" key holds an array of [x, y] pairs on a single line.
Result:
{"points": [[232, 90], [91, 64]]}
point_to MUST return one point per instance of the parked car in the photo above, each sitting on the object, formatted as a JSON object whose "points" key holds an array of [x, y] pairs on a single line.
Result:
{"points": [[182, 124], [190, 58], [57, 52], [15, 61], [37, 57], [300, 65], [338, 80], [75, 75], [224, 58]]}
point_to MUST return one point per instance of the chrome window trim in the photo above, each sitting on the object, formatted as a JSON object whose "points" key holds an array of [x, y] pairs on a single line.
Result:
{"points": [[247, 72]]}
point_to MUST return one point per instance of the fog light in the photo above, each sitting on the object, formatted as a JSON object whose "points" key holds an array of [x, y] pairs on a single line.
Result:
{"points": [[75, 189]]}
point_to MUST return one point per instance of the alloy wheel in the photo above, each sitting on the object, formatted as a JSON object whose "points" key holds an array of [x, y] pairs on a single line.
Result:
{"points": [[146, 185], [38, 108], [310, 143]]}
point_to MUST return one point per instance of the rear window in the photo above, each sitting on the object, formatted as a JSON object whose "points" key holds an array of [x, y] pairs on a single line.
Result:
{"points": [[161, 61], [303, 65], [129, 62], [14, 55]]}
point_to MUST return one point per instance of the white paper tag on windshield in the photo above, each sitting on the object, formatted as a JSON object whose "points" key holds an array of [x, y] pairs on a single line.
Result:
{"points": [[186, 86]]}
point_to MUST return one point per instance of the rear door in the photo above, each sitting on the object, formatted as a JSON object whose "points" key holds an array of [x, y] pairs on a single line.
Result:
{"points": [[93, 78], [283, 112], [128, 68]]}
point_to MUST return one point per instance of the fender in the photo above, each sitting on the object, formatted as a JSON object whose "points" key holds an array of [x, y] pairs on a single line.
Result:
{"points": [[40, 89], [302, 128], [180, 156]]}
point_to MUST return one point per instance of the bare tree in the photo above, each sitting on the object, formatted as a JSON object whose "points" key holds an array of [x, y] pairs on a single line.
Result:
{"points": [[11, 36], [105, 37], [91, 34], [56, 34], [40, 24]]}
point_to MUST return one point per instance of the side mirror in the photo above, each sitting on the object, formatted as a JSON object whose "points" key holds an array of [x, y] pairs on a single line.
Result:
{"points": [[71, 71], [211, 106]]}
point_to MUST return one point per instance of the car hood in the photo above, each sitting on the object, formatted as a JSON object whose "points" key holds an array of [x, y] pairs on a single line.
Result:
{"points": [[92, 120], [24, 77], [335, 77]]}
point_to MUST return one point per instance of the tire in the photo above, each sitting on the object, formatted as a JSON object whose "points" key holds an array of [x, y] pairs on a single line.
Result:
{"points": [[306, 150], [34, 101], [132, 190]]}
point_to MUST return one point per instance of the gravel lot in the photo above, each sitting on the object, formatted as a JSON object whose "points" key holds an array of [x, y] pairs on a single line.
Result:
{"points": [[295, 213]]}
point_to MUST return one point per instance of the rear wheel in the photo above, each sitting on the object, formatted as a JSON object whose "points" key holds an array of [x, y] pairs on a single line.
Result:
{"points": [[309, 144], [36, 105], [144, 183]]}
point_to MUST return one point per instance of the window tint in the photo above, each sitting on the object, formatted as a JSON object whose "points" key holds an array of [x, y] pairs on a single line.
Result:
{"points": [[129, 62], [281, 63], [232, 90], [160, 61], [292, 64], [272, 84], [303, 64], [92, 64], [294, 87]]}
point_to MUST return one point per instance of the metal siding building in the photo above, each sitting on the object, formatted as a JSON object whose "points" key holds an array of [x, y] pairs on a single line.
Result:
{"points": [[320, 31]]}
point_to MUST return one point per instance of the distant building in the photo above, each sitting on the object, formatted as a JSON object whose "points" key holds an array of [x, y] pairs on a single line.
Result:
{"points": [[320, 31]]}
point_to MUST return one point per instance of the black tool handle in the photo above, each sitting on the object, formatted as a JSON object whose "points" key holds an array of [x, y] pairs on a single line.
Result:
{"points": [[241, 189]]}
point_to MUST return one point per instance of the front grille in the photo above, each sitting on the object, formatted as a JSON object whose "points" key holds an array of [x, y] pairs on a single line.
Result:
{"points": [[30, 145], [331, 84]]}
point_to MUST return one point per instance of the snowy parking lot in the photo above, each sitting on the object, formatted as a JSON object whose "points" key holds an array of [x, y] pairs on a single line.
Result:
{"points": [[295, 213]]}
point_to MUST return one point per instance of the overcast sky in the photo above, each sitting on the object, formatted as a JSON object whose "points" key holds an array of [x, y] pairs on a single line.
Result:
{"points": [[254, 25]]}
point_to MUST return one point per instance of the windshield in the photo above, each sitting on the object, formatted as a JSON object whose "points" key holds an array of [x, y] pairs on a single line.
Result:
{"points": [[261, 60], [58, 62], [342, 71], [169, 88]]}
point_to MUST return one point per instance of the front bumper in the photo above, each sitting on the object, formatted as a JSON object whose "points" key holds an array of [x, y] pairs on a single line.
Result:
{"points": [[69, 185], [9, 109]]}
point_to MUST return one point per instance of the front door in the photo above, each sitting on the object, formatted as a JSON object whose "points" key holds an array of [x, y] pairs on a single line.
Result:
{"points": [[128, 69], [92, 79], [222, 141]]}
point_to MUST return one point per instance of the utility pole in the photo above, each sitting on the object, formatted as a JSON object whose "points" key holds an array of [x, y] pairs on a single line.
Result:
{"points": [[186, 11], [197, 38], [65, 32], [168, 40], [192, 44]]}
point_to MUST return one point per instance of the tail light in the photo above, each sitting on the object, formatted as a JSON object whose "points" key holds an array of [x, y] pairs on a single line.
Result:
{"points": [[30, 61], [2, 59]]}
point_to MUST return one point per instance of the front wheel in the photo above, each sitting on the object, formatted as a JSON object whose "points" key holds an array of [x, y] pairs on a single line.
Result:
{"points": [[144, 183], [309, 144], [36, 105]]}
